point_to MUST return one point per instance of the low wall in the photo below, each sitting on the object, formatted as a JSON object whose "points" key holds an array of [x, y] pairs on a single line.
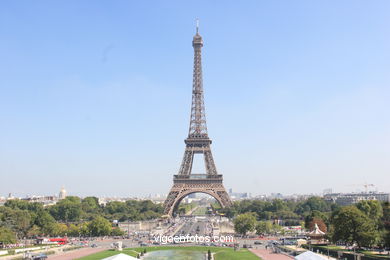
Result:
{"points": [[20, 250], [226, 227]]}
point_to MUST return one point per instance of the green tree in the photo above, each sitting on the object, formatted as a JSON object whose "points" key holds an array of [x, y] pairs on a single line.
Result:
{"points": [[46, 223], [51, 229], [19, 221], [90, 205], [116, 207], [315, 214], [244, 223], [43, 219], [83, 228], [181, 210], [263, 227], [117, 232], [386, 238], [23, 205], [68, 209], [386, 224], [73, 230], [34, 231], [372, 209], [62, 229], [17, 204], [352, 226], [7, 236], [99, 226], [311, 204], [132, 210], [278, 205]]}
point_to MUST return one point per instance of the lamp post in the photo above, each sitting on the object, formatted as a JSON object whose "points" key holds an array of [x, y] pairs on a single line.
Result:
{"points": [[128, 228]]}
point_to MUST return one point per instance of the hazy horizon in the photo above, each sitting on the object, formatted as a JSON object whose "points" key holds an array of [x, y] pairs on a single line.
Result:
{"points": [[157, 195], [95, 96]]}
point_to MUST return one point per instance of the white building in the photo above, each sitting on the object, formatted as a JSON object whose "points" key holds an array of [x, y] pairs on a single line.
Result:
{"points": [[62, 194], [344, 199]]}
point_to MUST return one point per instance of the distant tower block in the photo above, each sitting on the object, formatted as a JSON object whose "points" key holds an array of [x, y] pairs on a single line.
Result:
{"points": [[197, 142], [62, 194]]}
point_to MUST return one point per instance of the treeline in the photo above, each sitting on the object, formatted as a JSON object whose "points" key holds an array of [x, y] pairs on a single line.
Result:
{"points": [[288, 212], [71, 216], [184, 208], [365, 224]]}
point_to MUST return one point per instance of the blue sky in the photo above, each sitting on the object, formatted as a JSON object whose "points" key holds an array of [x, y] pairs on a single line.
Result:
{"points": [[95, 95]]}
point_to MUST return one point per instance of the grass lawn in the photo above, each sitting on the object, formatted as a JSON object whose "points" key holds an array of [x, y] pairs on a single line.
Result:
{"points": [[200, 211], [221, 253], [375, 254], [242, 254], [332, 247], [107, 253]]}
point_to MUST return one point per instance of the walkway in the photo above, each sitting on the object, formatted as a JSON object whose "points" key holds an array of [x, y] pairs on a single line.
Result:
{"points": [[74, 254], [268, 255]]}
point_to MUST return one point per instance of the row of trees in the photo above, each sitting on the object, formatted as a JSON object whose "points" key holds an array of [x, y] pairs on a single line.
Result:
{"points": [[74, 209], [247, 222], [72, 216], [289, 211], [99, 226], [364, 224]]}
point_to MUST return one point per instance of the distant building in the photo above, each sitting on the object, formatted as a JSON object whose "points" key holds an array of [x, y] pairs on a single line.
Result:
{"points": [[327, 191], [345, 199], [45, 200], [104, 200], [276, 196], [261, 197], [239, 195], [62, 194]]}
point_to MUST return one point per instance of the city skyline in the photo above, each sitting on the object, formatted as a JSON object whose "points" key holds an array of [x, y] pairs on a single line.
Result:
{"points": [[296, 97], [234, 194]]}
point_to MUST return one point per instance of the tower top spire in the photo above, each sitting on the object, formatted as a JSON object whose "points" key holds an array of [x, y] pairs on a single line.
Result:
{"points": [[197, 40], [198, 128]]}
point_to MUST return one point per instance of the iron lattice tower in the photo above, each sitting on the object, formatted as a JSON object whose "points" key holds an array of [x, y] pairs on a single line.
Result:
{"points": [[197, 142]]}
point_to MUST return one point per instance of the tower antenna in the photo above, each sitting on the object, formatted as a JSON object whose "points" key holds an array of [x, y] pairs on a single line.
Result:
{"points": [[197, 25]]}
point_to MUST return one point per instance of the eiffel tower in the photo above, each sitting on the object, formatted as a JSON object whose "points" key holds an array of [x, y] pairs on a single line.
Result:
{"points": [[197, 142]]}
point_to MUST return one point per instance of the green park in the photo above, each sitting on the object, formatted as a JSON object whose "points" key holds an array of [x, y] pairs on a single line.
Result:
{"points": [[218, 252]]}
